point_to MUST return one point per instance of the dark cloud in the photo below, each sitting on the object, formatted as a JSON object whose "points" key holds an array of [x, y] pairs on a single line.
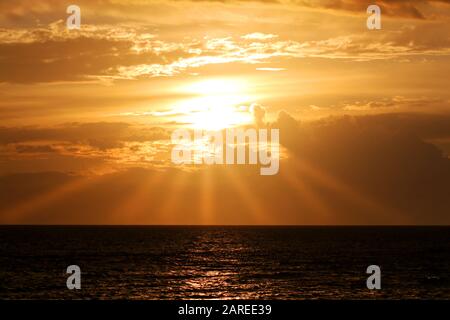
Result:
{"points": [[20, 10], [384, 156], [103, 135], [68, 132], [401, 8], [397, 8], [34, 149]]}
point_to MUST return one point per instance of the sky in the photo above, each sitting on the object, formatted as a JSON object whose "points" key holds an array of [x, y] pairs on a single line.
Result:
{"points": [[86, 116]]}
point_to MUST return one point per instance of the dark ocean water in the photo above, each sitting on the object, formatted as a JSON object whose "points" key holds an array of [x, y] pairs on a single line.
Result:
{"points": [[224, 262]]}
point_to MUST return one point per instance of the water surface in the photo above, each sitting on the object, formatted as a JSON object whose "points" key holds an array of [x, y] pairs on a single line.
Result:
{"points": [[224, 262]]}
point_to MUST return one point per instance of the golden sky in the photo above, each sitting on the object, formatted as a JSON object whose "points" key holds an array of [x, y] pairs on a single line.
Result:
{"points": [[86, 115]]}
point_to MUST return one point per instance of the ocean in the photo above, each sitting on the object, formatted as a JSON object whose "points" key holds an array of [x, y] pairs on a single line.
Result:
{"points": [[178, 262]]}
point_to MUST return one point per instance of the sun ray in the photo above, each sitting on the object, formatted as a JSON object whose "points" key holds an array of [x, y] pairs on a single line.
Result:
{"points": [[17, 213], [207, 198], [361, 200], [136, 205], [311, 199], [172, 201], [250, 201]]}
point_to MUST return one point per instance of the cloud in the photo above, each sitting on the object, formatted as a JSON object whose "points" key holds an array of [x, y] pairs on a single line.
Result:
{"points": [[52, 53], [259, 36], [21, 11], [384, 156], [130, 51], [412, 9], [66, 132], [344, 170], [82, 132], [351, 47], [396, 103], [82, 147], [259, 113], [34, 149]]}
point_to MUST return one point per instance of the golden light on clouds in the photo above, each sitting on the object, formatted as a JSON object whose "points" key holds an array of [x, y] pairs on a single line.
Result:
{"points": [[101, 103]]}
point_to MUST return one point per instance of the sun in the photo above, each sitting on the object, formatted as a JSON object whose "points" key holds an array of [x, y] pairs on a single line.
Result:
{"points": [[217, 104]]}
